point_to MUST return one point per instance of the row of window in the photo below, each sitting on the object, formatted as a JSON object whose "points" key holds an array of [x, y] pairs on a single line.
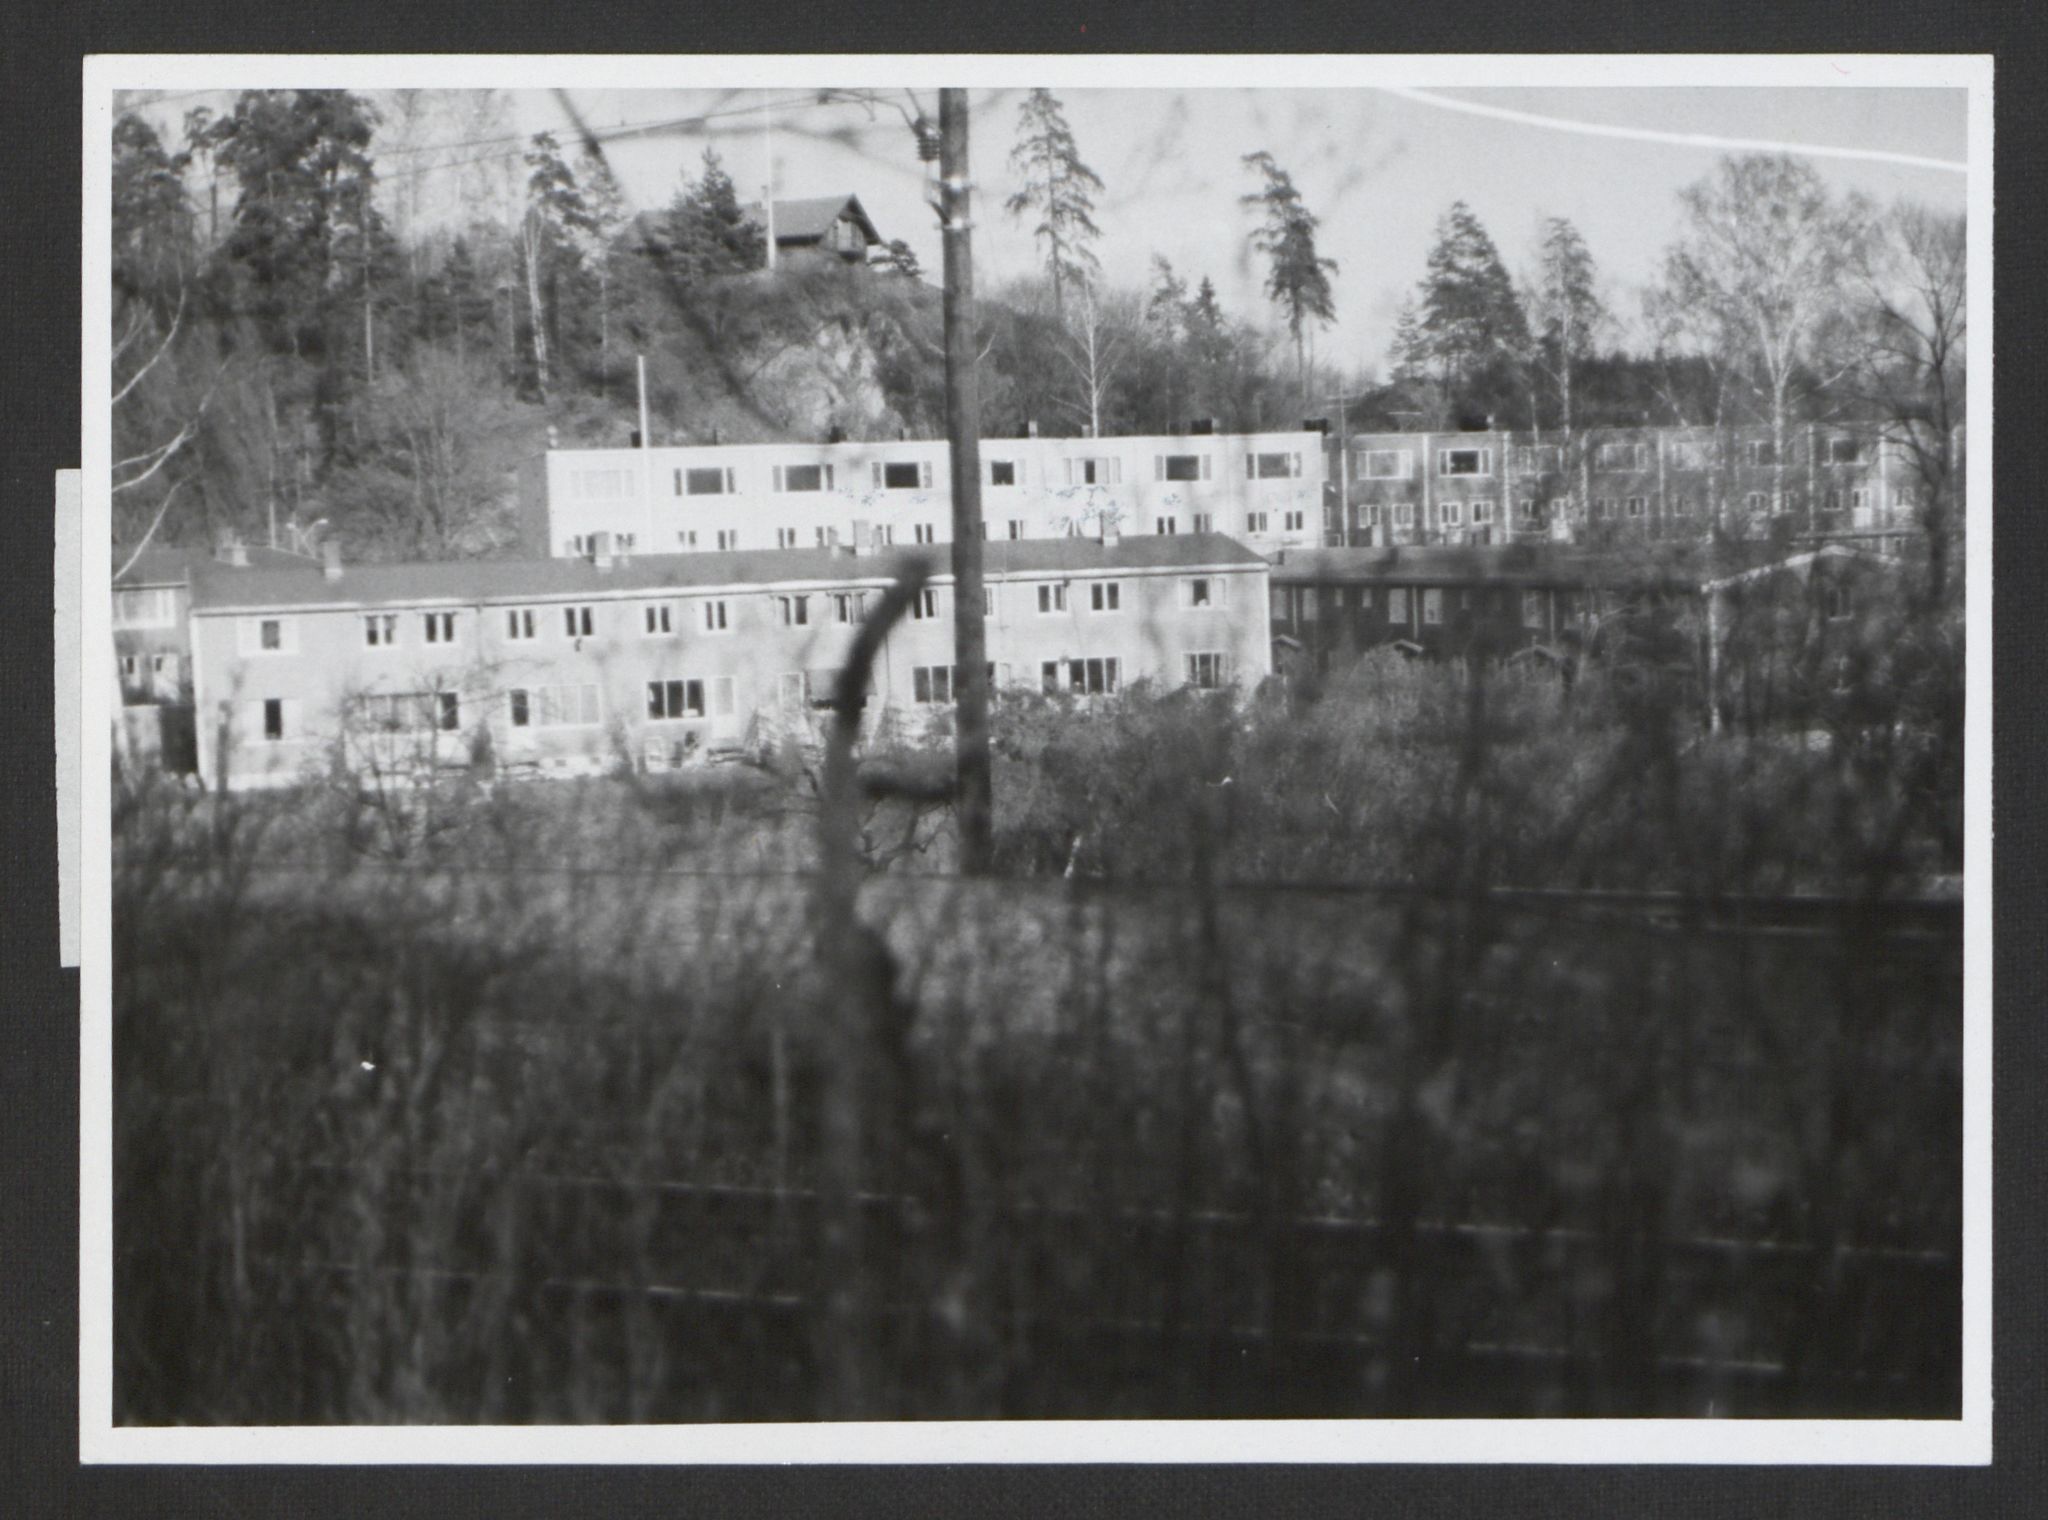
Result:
{"points": [[1534, 513], [381, 630], [582, 545], [690, 699], [1548, 458]]}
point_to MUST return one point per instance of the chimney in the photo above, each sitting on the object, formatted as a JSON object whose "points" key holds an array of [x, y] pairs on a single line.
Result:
{"points": [[1111, 535], [1031, 427], [858, 544], [1202, 427], [235, 552], [601, 550], [330, 559], [835, 434]]}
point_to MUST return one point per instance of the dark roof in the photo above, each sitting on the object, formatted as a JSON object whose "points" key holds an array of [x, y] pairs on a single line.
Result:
{"points": [[168, 565], [1682, 564], [809, 219], [217, 587]]}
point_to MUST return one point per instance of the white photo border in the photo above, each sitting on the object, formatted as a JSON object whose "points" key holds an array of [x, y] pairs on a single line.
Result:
{"points": [[1965, 1441]]}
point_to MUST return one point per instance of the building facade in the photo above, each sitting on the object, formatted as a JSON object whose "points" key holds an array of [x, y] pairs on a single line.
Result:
{"points": [[570, 665], [1263, 489], [1610, 485]]}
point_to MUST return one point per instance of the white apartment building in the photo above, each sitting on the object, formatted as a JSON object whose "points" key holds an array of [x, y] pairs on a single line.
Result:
{"points": [[1263, 489]]}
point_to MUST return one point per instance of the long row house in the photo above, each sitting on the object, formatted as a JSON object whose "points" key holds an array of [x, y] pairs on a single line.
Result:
{"points": [[293, 665], [1601, 486]]}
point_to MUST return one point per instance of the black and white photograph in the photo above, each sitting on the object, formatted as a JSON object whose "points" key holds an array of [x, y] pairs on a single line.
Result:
{"points": [[844, 758]]}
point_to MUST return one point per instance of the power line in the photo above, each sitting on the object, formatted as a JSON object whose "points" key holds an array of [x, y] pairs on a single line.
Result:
{"points": [[1678, 139]]}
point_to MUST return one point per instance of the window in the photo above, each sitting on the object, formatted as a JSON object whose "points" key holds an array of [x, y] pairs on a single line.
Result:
{"points": [[1534, 459], [1002, 472], [1831, 500], [1105, 471], [1464, 462], [728, 538], [931, 684], [1432, 604], [903, 475], [156, 607], [674, 701], [1622, 456], [1686, 454], [1016, 527], [1531, 512], [793, 611], [1762, 452], [792, 691], [554, 707], [268, 636], [1859, 499], [1754, 501], [1482, 510], [1532, 609], [1404, 514], [988, 601], [1387, 464], [1454, 514], [1106, 596], [447, 711], [785, 538], [1090, 677], [686, 538], [273, 719], [1681, 506], [1052, 597], [1166, 527], [706, 482], [803, 477], [1836, 602], [848, 606], [1290, 522], [1203, 522], [1255, 522], [925, 605], [923, 533], [1201, 591], [1636, 506], [1206, 670], [380, 630], [577, 622], [1397, 604], [440, 627], [602, 485], [1845, 450], [713, 614], [655, 619], [1272, 466], [1180, 466], [827, 537], [519, 624]]}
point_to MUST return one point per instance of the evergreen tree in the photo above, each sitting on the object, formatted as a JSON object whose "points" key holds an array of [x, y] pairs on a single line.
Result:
{"points": [[556, 218], [1058, 186], [709, 236], [899, 258], [1298, 280], [1565, 310], [1470, 321], [304, 213]]}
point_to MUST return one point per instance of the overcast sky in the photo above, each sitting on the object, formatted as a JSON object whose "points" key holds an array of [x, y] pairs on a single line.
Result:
{"points": [[1376, 166]]}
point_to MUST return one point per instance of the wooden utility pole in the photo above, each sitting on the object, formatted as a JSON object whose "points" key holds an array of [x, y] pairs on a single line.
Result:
{"points": [[975, 805]]}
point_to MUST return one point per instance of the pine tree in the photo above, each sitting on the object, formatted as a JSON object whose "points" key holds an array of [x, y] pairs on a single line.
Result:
{"points": [[1057, 185], [1565, 309], [709, 236], [1470, 317], [1298, 280]]}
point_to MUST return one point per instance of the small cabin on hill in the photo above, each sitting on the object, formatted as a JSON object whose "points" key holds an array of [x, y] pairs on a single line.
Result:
{"points": [[834, 224]]}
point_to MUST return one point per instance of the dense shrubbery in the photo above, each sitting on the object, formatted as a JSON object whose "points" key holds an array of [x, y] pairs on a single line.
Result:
{"points": [[505, 1103]]}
